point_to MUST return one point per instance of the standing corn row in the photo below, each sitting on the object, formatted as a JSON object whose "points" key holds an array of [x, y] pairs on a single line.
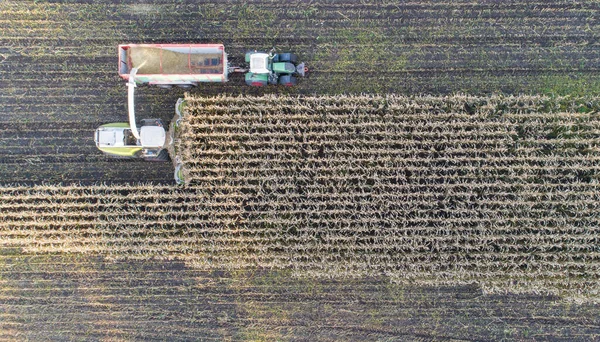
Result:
{"points": [[502, 191]]}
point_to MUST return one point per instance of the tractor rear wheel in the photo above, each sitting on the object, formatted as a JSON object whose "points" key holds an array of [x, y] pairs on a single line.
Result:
{"points": [[288, 57], [256, 80], [258, 83], [287, 80]]}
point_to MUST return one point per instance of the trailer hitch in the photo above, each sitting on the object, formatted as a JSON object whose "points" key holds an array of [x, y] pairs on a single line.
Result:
{"points": [[301, 69]]}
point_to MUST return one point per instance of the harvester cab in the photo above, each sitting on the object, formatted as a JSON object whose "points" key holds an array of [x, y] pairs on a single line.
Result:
{"points": [[130, 140], [117, 140], [273, 68]]}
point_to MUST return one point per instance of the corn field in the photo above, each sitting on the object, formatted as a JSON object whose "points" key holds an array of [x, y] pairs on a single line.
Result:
{"points": [[499, 191], [306, 216]]}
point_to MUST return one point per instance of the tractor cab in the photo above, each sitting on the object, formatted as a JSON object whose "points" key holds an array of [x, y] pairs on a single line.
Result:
{"points": [[260, 63]]}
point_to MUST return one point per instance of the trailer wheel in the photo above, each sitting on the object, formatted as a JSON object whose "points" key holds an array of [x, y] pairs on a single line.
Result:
{"points": [[164, 86], [288, 57], [287, 80], [113, 156]]}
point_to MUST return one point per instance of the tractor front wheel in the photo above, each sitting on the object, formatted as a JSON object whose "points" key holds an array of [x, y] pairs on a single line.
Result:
{"points": [[288, 57], [287, 80]]}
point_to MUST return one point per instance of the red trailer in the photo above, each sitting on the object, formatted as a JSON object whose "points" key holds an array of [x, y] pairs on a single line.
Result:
{"points": [[165, 65]]}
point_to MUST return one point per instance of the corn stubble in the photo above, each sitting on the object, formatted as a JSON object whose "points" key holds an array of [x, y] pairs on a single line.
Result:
{"points": [[501, 191]]}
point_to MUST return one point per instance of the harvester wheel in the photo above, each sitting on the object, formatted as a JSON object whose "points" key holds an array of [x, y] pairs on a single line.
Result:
{"points": [[162, 156], [288, 57], [287, 80]]}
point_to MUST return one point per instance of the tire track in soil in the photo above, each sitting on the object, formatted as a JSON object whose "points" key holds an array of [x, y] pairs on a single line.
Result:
{"points": [[108, 171], [44, 288], [65, 152]]}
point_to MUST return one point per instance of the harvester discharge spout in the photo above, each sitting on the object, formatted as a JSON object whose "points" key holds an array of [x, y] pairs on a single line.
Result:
{"points": [[131, 104]]}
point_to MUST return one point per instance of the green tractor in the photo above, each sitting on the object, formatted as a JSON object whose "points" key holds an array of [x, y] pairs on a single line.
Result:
{"points": [[273, 68]]}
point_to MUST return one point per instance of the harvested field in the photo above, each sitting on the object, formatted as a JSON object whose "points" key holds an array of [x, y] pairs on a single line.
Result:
{"points": [[68, 296]]}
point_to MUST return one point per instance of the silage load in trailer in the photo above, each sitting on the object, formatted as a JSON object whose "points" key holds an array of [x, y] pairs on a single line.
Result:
{"points": [[151, 60], [174, 63]]}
